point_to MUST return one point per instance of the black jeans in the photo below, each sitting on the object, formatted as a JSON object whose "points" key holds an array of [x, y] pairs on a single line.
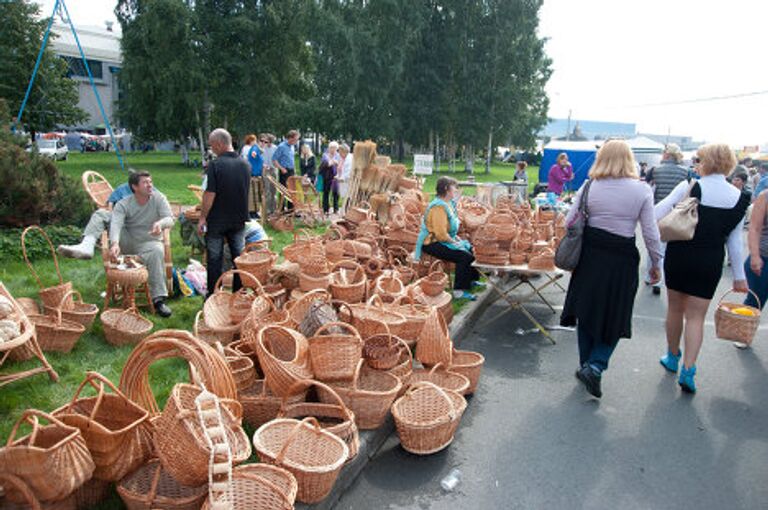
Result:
{"points": [[214, 245], [465, 273], [328, 190]]}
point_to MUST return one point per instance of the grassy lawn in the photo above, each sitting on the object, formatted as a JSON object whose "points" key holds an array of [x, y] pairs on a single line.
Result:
{"points": [[499, 172]]}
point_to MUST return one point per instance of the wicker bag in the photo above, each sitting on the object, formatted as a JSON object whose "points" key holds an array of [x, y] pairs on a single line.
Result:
{"points": [[446, 379], [50, 296], [55, 333], [334, 350], [75, 311], [737, 327], [118, 432], [124, 327], [284, 357], [53, 460], [434, 345], [470, 365], [334, 417], [369, 395], [180, 442], [348, 282], [151, 486], [259, 486], [313, 455], [427, 417]]}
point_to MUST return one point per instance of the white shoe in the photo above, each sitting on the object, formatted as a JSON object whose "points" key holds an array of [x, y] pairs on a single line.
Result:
{"points": [[83, 251], [740, 345]]}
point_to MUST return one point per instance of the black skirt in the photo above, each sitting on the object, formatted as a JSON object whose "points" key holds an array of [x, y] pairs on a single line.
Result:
{"points": [[601, 293]]}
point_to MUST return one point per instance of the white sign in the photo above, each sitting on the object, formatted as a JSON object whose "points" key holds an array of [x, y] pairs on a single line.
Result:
{"points": [[423, 164]]}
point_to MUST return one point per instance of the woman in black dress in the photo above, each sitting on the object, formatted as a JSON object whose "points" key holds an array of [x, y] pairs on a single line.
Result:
{"points": [[692, 269]]}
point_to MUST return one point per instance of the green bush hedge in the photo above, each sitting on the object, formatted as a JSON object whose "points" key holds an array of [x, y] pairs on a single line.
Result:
{"points": [[37, 248]]}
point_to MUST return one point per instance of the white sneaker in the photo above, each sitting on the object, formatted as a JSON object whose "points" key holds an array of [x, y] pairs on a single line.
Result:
{"points": [[83, 251], [740, 345]]}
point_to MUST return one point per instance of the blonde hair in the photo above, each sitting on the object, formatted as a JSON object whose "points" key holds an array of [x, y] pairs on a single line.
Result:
{"points": [[614, 160], [715, 158], [306, 150], [562, 156]]}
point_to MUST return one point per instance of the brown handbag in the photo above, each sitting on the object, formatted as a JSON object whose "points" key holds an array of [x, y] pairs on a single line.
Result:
{"points": [[680, 223]]}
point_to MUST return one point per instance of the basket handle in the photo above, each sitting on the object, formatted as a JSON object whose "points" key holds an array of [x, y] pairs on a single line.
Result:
{"points": [[346, 264], [434, 368], [64, 300], [731, 291], [248, 276], [437, 266], [308, 383], [22, 487], [292, 436], [153, 487], [90, 378], [349, 327], [32, 416], [440, 391], [375, 301], [195, 326], [260, 245], [344, 304], [125, 313], [356, 375], [26, 257]]}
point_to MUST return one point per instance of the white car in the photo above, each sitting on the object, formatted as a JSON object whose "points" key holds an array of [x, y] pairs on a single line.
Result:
{"points": [[54, 149]]}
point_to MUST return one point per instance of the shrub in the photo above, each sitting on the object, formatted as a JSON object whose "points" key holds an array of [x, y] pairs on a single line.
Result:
{"points": [[37, 248]]}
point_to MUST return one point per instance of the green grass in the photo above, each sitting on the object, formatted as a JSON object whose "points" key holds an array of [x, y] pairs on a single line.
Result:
{"points": [[499, 172]]}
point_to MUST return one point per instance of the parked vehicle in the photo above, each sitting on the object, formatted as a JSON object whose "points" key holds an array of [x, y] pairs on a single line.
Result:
{"points": [[54, 149]]}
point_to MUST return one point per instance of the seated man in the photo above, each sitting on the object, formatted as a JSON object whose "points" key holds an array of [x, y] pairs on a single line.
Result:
{"points": [[98, 223]]}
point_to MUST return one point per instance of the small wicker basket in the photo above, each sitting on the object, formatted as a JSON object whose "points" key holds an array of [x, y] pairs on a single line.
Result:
{"points": [[733, 326], [124, 327]]}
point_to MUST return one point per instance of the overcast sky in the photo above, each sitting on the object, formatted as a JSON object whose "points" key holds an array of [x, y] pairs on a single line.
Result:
{"points": [[638, 61]]}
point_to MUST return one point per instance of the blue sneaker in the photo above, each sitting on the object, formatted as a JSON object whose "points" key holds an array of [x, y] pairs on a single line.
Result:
{"points": [[686, 381], [670, 361], [463, 294], [479, 285]]}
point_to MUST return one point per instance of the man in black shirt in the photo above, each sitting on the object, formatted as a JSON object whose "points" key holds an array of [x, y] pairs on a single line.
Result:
{"points": [[225, 205]]}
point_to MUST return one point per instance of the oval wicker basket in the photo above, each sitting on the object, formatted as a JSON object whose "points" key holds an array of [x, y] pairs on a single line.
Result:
{"points": [[470, 365], [446, 379], [54, 333], [151, 486], [76, 311], [427, 417], [257, 486], [124, 327], [735, 327], [313, 455], [436, 281]]}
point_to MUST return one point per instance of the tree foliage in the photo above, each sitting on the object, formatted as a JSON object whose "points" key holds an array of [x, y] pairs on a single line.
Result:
{"points": [[53, 98]]}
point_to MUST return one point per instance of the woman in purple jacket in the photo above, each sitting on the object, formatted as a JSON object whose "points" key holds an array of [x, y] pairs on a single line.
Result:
{"points": [[559, 173]]}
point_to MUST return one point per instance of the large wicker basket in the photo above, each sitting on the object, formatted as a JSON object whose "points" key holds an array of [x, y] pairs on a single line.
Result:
{"points": [[151, 486], [50, 296], [124, 326], [427, 417], [734, 326], [284, 357], [257, 486], [313, 455], [76, 311], [54, 333], [334, 350]]}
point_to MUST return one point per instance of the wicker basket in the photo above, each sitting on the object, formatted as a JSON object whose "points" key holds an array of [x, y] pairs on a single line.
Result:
{"points": [[389, 287], [284, 357], [369, 395], [207, 335], [257, 486], [281, 222], [29, 305], [76, 311], [124, 327], [334, 417], [224, 311], [151, 487], [735, 327], [446, 379], [348, 282], [257, 263], [118, 432], [367, 319], [470, 365], [279, 477], [310, 282], [313, 455], [16, 495], [436, 281], [382, 351], [133, 275], [260, 405], [415, 316], [434, 345], [334, 351], [55, 333], [53, 460], [180, 443], [427, 417], [304, 244], [358, 214], [297, 311], [50, 296]]}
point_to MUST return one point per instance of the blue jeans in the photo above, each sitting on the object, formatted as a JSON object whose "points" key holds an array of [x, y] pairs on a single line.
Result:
{"points": [[214, 244], [757, 284], [594, 351]]}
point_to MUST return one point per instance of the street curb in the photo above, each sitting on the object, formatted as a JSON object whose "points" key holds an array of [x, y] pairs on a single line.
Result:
{"points": [[372, 440]]}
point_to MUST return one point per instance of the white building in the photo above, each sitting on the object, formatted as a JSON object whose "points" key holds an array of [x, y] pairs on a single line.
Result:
{"points": [[101, 46]]}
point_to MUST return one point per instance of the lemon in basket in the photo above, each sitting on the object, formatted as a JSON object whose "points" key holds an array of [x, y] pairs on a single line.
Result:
{"points": [[742, 310]]}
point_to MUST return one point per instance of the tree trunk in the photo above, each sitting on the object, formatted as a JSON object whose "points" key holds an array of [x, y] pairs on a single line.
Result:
{"points": [[184, 146], [469, 155], [490, 152], [437, 151], [200, 137], [400, 150]]}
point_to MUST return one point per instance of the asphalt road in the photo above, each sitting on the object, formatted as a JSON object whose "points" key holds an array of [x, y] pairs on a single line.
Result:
{"points": [[533, 438]]}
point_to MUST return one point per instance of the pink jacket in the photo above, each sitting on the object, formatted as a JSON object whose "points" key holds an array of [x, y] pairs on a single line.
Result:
{"points": [[558, 176]]}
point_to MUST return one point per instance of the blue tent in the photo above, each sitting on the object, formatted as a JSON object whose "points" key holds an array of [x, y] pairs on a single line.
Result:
{"points": [[580, 154]]}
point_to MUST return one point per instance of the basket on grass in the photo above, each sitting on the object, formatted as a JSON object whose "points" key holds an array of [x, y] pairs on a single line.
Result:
{"points": [[382, 351], [151, 486], [180, 442], [124, 326], [224, 311], [16, 495], [50, 296], [54, 333], [735, 321], [304, 245], [281, 222], [436, 281], [118, 432], [333, 416], [313, 455], [439, 375], [369, 395], [29, 305], [470, 365], [53, 460], [283, 356], [334, 351], [348, 282], [260, 486], [75, 311], [434, 346], [426, 417]]}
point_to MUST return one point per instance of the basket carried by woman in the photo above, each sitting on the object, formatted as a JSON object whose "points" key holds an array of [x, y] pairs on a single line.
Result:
{"points": [[735, 321], [257, 486], [334, 351], [179, 438], [124, 326], [53, 460], [348, 282], [151, 486], [335, 417], [284, 357], [369, 395], [50, 296], [313, 455], [427, 417], [118, 432], [76, 311], [55, 333]]}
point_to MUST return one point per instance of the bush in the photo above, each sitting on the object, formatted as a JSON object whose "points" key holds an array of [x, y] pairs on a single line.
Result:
{"points": [[37, 248]]}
